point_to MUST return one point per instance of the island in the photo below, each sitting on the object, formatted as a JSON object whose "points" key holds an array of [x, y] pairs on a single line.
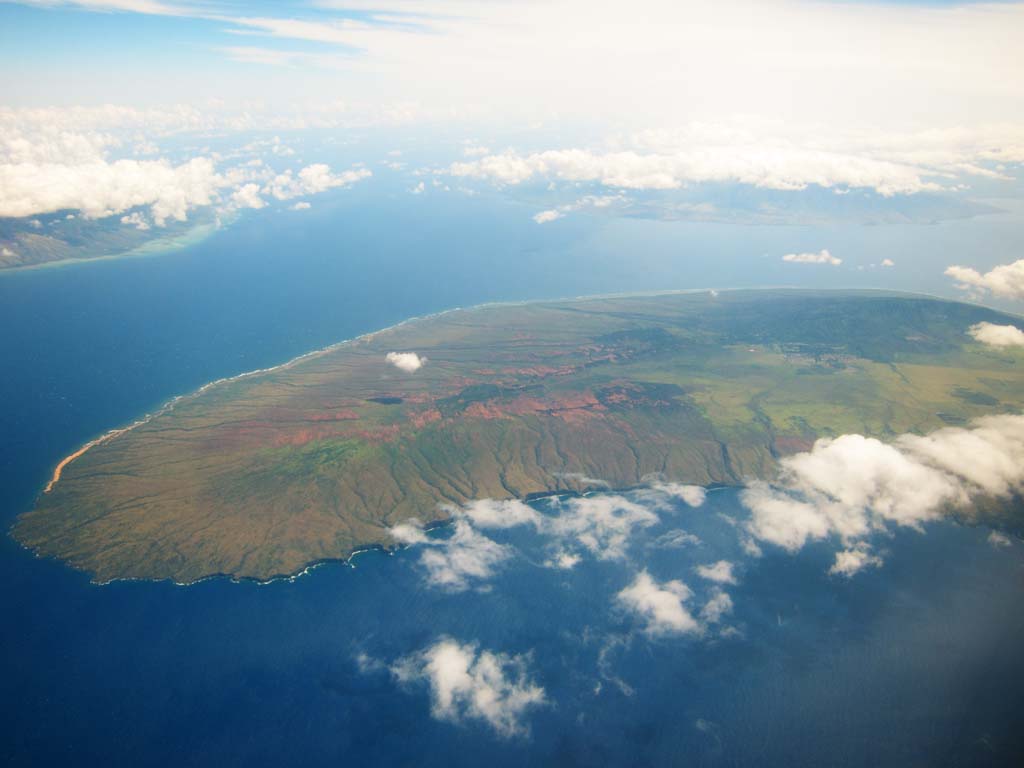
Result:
{"points": [[261, 475]]}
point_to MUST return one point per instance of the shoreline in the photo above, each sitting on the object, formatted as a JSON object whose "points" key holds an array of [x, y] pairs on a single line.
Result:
{"points": [[174, 401], [384, 549], [156, 247]]}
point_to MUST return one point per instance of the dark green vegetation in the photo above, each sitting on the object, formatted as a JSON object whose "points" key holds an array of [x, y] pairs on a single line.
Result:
{"points": [[265, 474]]}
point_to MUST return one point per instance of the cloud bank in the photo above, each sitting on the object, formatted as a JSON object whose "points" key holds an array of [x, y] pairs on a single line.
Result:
{"points": [[48, 170], [761, 167], [852, 486]]}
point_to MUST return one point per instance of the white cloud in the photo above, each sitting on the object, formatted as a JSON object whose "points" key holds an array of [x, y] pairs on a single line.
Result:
{"points": [[302, 205], [136, 220], [545, 217], [506, 513], [581, 479], [997, 539], [888, 263], [720, 572], [659, 605], [311, 180], [588, 201], [717, 606], [248, 196], [99, 188], [676, 539], [457, 562], [997, 335], [1005, 281], [471, 684], [851, 486], [46, 168], [821, 257], [511, 60], [758, 166], [851, 561], [409, 362], [418, 189], [691, 495], [563, 560], [602, 525]]}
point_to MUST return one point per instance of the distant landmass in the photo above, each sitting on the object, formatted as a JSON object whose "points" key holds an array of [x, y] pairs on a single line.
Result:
{"points": [[68, 237], [261, 475]]}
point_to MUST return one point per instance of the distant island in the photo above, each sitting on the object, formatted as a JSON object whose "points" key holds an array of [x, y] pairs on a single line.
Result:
{"points": [[261, 475], [67, 238]]}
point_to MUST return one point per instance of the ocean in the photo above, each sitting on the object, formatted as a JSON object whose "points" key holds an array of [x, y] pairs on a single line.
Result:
{"points": [[915, 662]]}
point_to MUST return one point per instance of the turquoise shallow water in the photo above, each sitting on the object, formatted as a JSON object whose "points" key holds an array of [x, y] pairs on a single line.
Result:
{"points": [[917, 662]]}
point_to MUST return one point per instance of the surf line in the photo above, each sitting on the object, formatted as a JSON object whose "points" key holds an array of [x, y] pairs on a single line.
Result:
{"points": [[174, 401], [91, 444]]}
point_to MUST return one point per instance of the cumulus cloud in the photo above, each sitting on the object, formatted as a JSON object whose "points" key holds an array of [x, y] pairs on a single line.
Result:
{"points": [[409, 362], [99, 188], [545, 217], [851, 561], [302, 205], [136, 220], [248, 196], [821, 257], [998, 540], [659, 605], [997, 335], [467, 683], [312, 180], [602, 525], [563, 560], [589, 201], [47, 169], [720, 572], [718, 605], [457, 562], [852, 486], [1005, 281], [505, 513], [888, 263]]}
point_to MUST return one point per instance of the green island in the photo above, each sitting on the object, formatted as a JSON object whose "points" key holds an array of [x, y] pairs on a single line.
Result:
{"points": [[262, 475]]}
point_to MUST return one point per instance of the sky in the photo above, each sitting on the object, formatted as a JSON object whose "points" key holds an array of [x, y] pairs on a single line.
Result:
{"points": [[656, 108]]}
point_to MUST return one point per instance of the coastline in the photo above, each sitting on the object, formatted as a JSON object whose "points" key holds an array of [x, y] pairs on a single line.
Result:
{"points": [[348, 560], [170, 404], [157, 247]]}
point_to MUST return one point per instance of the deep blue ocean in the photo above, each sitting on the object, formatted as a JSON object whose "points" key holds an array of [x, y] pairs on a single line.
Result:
{"points": [[918, 662]]}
